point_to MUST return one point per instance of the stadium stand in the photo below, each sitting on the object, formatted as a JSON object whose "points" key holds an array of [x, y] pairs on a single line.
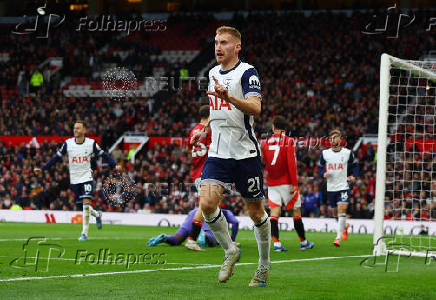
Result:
{"points": [[315, 78]]}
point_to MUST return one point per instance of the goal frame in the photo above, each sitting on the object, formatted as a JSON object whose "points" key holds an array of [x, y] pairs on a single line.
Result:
{"points": [[385, 77]]}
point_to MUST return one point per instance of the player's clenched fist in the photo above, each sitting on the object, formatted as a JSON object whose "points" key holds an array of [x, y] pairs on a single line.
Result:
{"points": [[351, 179], [197, 137], [37, 171]]}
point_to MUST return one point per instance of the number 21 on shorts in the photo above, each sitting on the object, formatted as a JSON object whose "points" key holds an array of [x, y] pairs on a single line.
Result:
{"points": [[253, 184]]}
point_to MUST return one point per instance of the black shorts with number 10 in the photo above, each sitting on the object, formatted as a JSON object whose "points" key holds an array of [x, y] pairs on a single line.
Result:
{"points": [[245, 173], [81, 191]]}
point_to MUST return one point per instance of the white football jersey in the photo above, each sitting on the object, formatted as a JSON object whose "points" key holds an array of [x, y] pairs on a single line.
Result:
{"points": [[79, 158], [336, 164], [232, 130]]}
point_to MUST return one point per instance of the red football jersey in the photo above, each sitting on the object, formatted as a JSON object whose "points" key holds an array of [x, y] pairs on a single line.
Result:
{"points": [[199, 152], [278, 153]]}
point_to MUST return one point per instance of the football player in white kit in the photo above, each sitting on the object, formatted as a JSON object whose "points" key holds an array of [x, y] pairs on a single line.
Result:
{"points": [[336, 161], [234, 153], [80, 150]]}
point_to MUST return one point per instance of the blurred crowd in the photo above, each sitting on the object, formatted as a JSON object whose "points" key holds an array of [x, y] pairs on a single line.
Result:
{"points": [[319, 71]]}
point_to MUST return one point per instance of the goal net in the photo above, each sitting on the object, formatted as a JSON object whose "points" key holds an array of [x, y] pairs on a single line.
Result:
{"points": [[405, 204]]}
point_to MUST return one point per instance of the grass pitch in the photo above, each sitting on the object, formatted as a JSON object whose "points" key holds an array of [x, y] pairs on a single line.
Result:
{"points": [[114, 263]]}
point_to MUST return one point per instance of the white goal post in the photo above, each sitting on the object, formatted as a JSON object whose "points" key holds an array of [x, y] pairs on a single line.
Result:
{"points": [[406, 123]]}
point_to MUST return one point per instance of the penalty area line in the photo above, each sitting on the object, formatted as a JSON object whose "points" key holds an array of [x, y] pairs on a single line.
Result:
{"points": [[172, 269]]}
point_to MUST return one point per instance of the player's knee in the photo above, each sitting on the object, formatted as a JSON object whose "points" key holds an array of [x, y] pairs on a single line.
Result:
{"points": [[296, 212], [257, 216], [210, 196], [275, 211], [208, 207], [342, 209], [256, 211]]}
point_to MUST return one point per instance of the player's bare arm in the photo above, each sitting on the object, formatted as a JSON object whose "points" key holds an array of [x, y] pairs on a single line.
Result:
{"points": [[251, 106]]}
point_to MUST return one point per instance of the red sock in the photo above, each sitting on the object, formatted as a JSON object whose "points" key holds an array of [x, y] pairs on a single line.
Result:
{"points": [[195, 230], [275, 228]]}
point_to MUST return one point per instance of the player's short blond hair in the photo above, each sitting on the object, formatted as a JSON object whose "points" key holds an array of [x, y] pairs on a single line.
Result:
{"points": [[335, 131], [230, 30]]}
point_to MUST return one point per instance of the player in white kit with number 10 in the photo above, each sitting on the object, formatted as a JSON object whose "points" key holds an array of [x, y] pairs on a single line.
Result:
{"points": [[79, 150]]}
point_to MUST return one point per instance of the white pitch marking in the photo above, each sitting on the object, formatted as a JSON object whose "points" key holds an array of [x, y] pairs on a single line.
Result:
{"points": [[172, 269]]}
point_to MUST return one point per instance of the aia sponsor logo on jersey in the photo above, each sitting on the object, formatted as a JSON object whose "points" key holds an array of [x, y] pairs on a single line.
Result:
{"points": [[218, 105], [79, 159], [335, 166]]}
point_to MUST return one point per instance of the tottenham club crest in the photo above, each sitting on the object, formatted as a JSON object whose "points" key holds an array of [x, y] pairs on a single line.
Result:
{"points": [[227, 82]]}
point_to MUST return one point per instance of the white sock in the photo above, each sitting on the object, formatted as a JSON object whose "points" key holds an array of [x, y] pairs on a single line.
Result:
{"points": [[262, 232], [92, 211], [277, 244], [85, 224], [341, 225], [218, 225]]}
